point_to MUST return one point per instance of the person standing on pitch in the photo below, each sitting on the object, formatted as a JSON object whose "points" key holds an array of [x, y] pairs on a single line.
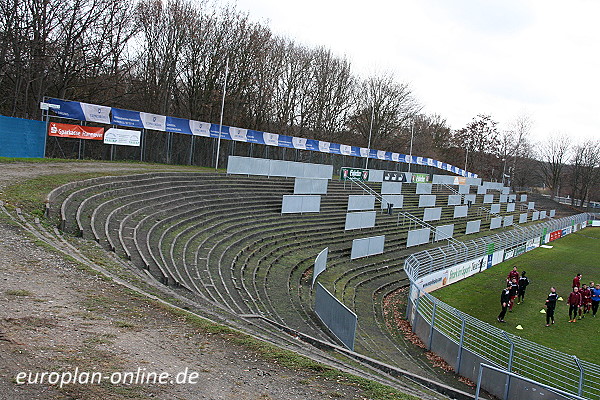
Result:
{"points": [[576, 281], [574, 302], [523, 282], [551, 305], [514, 274], [504, 300], [514, 290], [586, 301], [595, 292]]}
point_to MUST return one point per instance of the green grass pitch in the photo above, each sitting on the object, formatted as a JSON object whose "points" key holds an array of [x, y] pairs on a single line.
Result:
{"points": [[579, 252]]}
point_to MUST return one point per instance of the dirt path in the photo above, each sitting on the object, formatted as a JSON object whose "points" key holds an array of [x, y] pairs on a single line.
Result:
{"points": [[59, 319]]}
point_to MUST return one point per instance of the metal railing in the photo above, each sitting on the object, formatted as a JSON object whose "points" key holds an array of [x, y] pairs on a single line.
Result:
{"points": [[404, 214], [461, 334]]}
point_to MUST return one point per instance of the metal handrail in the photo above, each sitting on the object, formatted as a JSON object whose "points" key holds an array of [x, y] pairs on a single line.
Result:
{"points": [[411, 217]]}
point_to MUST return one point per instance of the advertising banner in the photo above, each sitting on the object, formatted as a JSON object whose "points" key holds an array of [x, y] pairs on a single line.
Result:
{"points": [[433, 281], [122, 137], [354, 173], [555, 235], [466, 269], [153, 121], [532, 244], [519, 250], [421, 178], [75, 131], [81, 111], [142, 120], [394, 176], [127, 118], [178, 125]]}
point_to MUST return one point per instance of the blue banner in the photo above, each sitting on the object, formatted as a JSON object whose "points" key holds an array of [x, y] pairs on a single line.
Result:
{"points": [[255, 137], [285, 141], [68, 109], [178, 125], [89, 112], [223, 131], [127, 118]]}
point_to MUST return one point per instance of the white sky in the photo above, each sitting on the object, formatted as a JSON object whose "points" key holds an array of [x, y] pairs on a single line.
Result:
{"points": [[461, 58]]}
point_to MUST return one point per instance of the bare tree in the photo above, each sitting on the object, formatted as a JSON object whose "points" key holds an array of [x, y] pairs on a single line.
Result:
{"points": [[552, 156], [164, 31], [391, 105], [431, 136], [480, 139], [521, 131], [585, 170]]}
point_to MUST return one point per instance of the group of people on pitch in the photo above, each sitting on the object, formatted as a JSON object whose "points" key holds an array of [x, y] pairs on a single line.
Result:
{"points": [[581, 300], [516, 284]]}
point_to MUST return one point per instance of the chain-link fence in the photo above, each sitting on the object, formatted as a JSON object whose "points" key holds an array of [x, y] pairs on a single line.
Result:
{"points": [[465, 342]]}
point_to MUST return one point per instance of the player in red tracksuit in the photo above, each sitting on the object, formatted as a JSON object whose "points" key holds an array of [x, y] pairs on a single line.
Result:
{"points": [[586, 301], [514, 291], [574, 302], [577, 281], [514, 274]]}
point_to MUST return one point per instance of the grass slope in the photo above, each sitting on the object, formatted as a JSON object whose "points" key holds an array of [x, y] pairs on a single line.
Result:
{"points": [[575, 253]]}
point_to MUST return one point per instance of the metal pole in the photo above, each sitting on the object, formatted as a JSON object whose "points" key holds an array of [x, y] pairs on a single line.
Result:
{"points": [[416, 312], [432, 323], [222, 108], [370, 131], [466, 156], [192, 151], [412, 132], [478, 382], [460, 345], [509, 367], [580, 386]]}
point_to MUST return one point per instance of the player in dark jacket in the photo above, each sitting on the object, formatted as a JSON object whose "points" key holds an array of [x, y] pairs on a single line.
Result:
{"points": [[504, 300], [551, 306], [574, 302], [523, 283], [595, 292]]}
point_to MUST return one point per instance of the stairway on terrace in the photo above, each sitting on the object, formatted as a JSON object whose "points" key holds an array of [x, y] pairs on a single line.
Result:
{"points": [[224, 239]]}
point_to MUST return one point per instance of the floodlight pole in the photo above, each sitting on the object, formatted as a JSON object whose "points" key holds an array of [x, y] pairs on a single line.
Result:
{"points": [[222, 108], [412, 133], [466, 156], [370, 131]]}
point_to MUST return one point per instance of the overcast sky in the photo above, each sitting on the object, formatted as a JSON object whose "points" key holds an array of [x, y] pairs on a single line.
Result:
{"points": [[465, 57]]}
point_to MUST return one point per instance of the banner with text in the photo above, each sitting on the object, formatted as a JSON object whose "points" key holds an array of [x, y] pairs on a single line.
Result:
{"points": [[141, 120], [75, 131], [122, 137]]}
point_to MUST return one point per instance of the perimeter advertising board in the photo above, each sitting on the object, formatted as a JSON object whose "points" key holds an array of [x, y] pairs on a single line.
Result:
{"points": [[122, 137], [75, 131], [466, 269], [433, 281], [394, 176], [421, 178], [532, 244], [354, 173]]}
